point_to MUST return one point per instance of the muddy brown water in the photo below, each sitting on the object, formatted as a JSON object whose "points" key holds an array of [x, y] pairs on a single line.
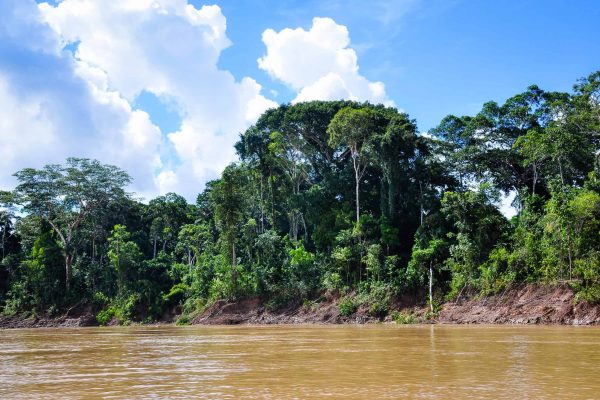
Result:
{"points": [[279, 362]]}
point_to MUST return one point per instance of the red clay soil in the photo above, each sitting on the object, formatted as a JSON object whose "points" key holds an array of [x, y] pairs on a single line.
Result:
{"points": [[531, 304], [251, 311], [79, 315], [527, 304]]}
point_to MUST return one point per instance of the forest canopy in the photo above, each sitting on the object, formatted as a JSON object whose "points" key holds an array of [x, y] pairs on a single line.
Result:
{"points": [[337, 196]]}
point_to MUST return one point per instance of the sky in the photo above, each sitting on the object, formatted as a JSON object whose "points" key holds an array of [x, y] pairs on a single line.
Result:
{"points": [[163, 88]]}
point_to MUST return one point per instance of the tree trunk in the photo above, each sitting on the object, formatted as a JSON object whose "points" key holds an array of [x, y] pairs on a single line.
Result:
{"points": [[233, 266], [357, 200], [535, 178], [272, 195], [3, 240], [304, 227], [68, 267], [562, 176], [357, 176], [570, 253], [262, 206], [154, 253], [430, 286], [421, 201]]}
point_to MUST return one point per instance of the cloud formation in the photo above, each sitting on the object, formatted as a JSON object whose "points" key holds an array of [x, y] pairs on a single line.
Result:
{"points": [[57, 103], [318, 63], [71, 73], [171, 49], [51, 108]]}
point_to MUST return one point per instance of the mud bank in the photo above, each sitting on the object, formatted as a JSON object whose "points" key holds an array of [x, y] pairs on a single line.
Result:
{"points": [[251, 311], [79, 315], [529, 304], [63, 321]]}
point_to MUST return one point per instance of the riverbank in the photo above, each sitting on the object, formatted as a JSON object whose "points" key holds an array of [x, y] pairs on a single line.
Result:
{"points": [[527, 304]]}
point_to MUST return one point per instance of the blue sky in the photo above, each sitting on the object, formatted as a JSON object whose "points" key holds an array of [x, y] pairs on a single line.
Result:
{"points": [[439, 57], [162, 88]]}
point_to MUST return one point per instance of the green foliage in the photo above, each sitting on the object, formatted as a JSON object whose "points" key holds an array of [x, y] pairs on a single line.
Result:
{"points": [[105, 316], [379, 309], [339, 196], [457, 284], [99, 299], [183, 320], [377, 297], [300, 257], [122, 310], [495, 274], [347, 306], [177, 294], [332, 281], [39, 286], [590, 294], [404, 318], [124, 255], [479, 227]]}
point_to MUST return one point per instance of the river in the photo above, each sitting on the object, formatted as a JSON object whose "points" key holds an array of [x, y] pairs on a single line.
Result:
{"points": [[280, 362]]}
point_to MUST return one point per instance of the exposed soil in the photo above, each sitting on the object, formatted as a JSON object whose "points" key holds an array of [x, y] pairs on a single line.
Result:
{"points": [[79, 315], [530, 304], [526, 304], [251, 311]]}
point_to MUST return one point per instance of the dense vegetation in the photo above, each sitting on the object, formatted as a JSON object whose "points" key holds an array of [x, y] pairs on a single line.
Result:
{"points": [[337, 196]]}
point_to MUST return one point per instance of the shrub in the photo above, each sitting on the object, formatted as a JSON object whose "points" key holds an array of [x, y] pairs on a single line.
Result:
{"points": [[309, 304], [332, 281], [105, 316], [378, 298], [590, 294], [176, 294], [494, 274], [378, 309], [99, 299], [122, 309], [347, 306], [404, 318], [458, 282]]}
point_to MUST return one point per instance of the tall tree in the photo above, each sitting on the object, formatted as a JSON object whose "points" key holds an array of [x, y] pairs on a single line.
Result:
{"points": [[353, 128], [123, 254], [287, 154], [229, 199], [168, 214], [66, 195]]}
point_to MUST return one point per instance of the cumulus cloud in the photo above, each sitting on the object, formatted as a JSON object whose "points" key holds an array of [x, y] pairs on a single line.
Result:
{"points": [[49, 110], [78, 102], [318, 63], [171, 49], [70, 72]]}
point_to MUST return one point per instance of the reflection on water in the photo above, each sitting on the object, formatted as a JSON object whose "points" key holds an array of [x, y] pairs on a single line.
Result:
{"points": [[469, 362]]}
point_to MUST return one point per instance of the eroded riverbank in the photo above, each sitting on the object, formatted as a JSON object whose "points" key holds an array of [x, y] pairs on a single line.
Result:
{"points": [[530, 304]]}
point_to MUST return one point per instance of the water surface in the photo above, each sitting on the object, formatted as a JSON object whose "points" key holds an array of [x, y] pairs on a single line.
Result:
{"points": [[279, 362]]}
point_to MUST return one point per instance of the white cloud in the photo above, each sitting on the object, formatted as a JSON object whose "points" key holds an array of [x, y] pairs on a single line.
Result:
{"points": [[49, 110], [81, 103], [56, 103], [168, 48], [318, 63]]}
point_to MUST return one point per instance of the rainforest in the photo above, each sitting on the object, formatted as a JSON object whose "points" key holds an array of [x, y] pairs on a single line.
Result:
{"points": [[330, 202]]}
